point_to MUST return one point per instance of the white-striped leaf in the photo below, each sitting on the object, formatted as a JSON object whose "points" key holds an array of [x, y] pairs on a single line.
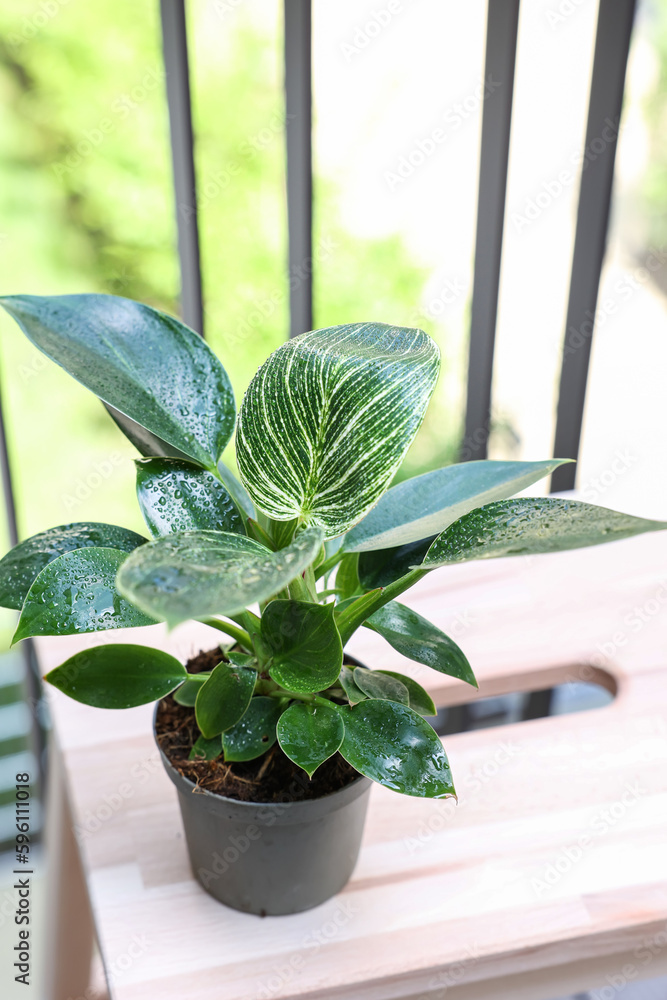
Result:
{"points": [[326, 421], [194, 574], [529, 526], [427, 504]]}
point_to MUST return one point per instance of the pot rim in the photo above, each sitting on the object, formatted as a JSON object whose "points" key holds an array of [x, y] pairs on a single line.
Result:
{"points": [[359, 785]]}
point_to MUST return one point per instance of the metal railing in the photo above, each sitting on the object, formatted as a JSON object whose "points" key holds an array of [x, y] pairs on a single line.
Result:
{"points": [[614, 28]]}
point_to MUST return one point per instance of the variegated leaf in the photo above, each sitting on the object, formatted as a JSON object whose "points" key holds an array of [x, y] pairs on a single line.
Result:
{"points": [[326, 421]]}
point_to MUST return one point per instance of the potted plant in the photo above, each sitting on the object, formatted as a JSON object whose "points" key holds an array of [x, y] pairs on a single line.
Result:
{"points": [[278, 732]]}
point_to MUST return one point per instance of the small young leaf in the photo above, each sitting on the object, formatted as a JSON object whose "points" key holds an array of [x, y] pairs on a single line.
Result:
{"points": [[255, 733], [206, 749], [241, 659], [77, 593], [394, 746], [347, 682], [380, 685], [148, 365], [420, 640], [187, 693], [181, 496], [118, 675], [195, 574], [23, 564], [420, 700], [224, 698], [306, 646], [310, 734], [529, 526]]}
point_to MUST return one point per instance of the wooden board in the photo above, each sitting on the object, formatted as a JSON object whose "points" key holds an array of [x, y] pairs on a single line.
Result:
{"points": [[554, 861]]}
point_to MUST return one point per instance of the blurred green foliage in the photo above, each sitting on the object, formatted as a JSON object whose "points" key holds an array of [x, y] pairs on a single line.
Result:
{"points": [[86, 204]]}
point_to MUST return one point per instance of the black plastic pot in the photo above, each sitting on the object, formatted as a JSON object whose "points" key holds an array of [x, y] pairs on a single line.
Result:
{"points": [[272, 858]]}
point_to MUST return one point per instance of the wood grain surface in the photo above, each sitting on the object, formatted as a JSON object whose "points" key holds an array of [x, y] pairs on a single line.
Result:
{"points": [[551, 868]]}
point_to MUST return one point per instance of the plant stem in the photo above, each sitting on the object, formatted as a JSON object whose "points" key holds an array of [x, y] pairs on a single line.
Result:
{"points": [[328, 564], [240, 634], [357, 613]]}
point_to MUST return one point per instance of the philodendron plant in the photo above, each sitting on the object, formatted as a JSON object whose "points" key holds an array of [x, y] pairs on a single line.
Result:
{"points": [[313, 543]]}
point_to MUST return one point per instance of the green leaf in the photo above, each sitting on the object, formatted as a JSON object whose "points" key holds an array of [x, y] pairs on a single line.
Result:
{"points": [[237, 491], [255, 733], [77, 593], [420, 700], [306, 647], [394, 746], [187, 693], [425, 505], [384, 566], [349, 686], [350, 609], [148, 365], [379, 685], [21, 567], [180, 496], [530, 526], [195, 574], [206, 749], [223, 699], [147, 444], [241, 659], [310, 734], [118, 675], [347, 577], [420, 640], [326, 421]]}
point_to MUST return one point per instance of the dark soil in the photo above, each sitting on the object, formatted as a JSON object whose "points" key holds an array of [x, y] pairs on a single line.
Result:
{"points": [[273, 777]]}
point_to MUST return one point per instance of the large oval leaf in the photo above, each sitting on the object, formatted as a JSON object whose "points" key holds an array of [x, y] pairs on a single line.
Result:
{"points": [[420, 640], [310, 734], [530, 526], [223, 699], [118, 675], [327, 419], [426, 505], [77, 593], [148, 365], [394, 746], [180, 496], [195, 574], [21, 567], [306, 646], [255, 733]]}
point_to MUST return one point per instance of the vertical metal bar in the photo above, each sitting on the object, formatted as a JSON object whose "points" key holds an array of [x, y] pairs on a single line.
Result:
{"points": [[175, 48], [501, 37], [298, 128], [30, 662], [612, 44]]}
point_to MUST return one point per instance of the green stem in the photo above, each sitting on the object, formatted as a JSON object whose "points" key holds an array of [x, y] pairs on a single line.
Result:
{"points": [[357, 613], [234, 631], [328, 564]]}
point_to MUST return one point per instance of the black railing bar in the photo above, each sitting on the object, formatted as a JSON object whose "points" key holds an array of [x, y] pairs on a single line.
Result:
{"points": [[298, 130], [499, 64], [612, 44], [175, 50]]}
